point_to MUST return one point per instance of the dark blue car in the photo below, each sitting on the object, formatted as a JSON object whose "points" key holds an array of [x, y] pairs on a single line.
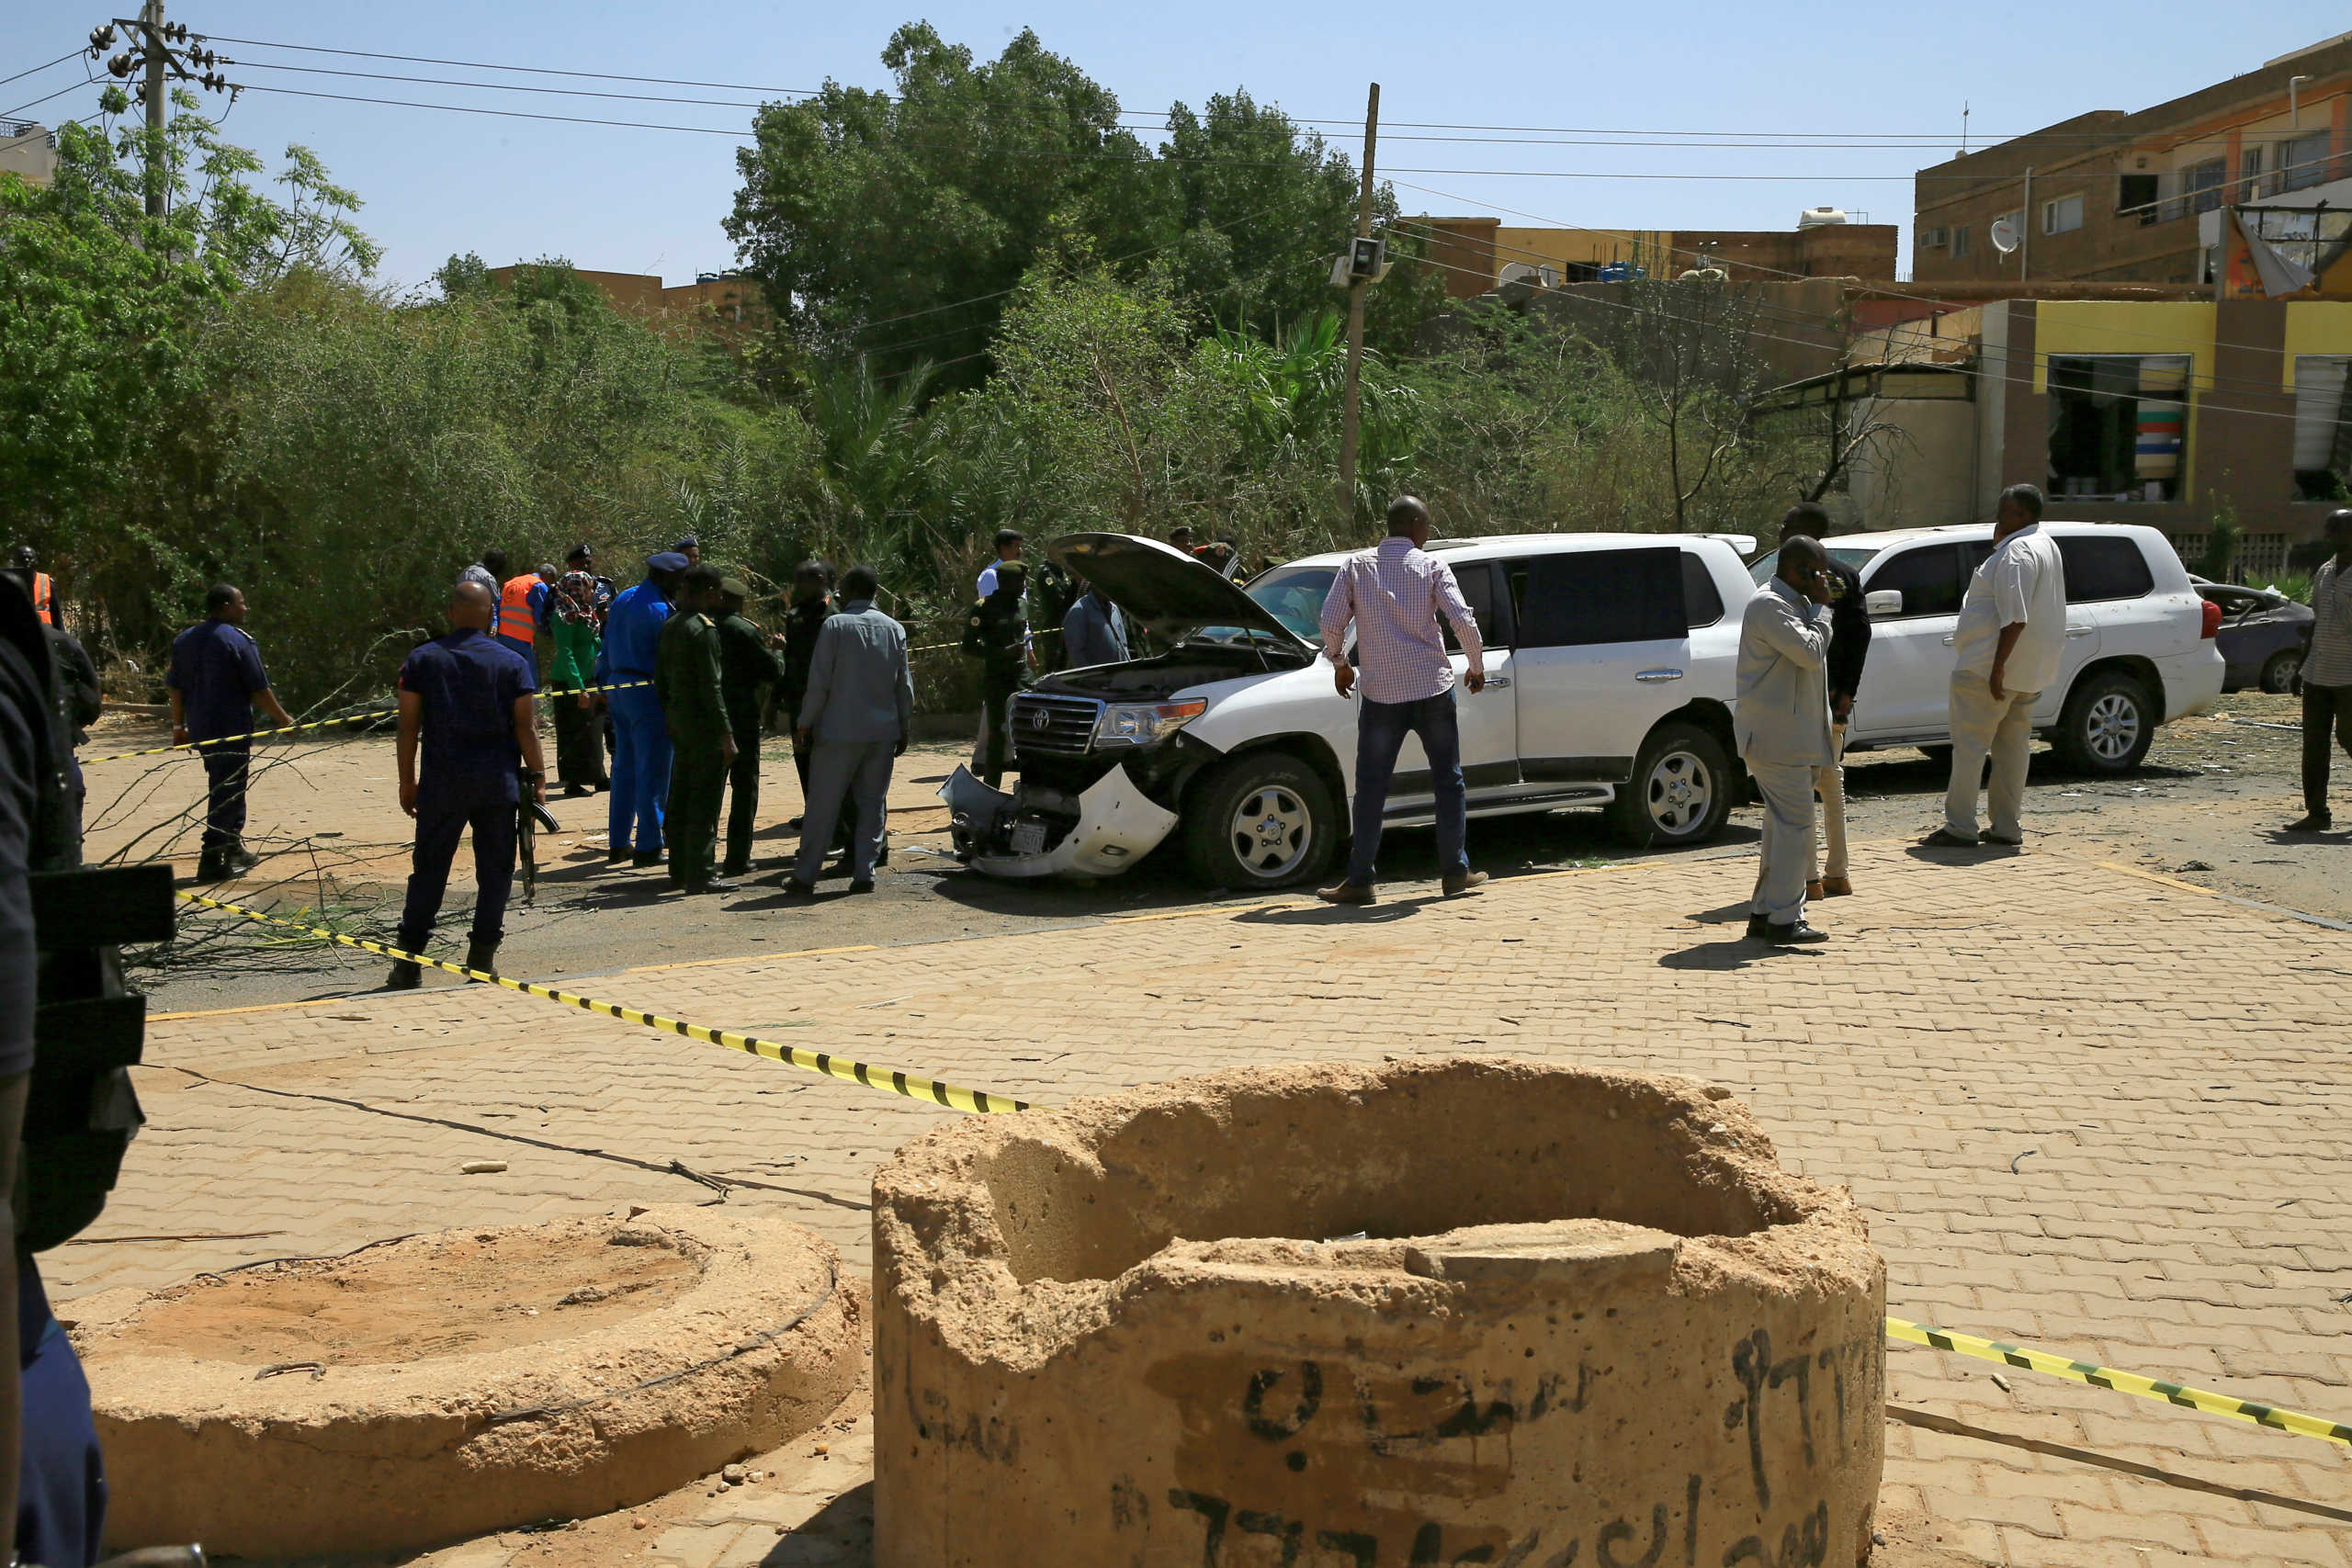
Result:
{"points": [[2262, 636]]}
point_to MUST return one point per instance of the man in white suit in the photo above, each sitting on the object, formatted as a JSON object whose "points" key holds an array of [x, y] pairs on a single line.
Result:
{"points": [[1783, 727]]}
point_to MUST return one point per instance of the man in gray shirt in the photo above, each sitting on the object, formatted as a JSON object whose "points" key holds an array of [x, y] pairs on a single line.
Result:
{"points": [[852, 722], [2327, 673], [1093, 632]]}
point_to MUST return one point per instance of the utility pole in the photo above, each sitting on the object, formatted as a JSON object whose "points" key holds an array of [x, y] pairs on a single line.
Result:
{"points": [[151, 18], [2025, 226], [1359, 285]]}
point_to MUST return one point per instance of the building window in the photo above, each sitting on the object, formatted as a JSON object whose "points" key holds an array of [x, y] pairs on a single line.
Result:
{"points": [[2323, 433], [2250, 173], [2063, 216], [2303, 162], [1958, 241], [2200, 184], [2136, 197], [2118, 425]]}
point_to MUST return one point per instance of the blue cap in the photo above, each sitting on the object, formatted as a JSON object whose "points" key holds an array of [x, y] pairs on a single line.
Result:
{"points": [[668, 560]]}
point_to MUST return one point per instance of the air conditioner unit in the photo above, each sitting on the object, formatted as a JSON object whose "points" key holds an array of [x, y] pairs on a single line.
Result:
{"points": [[1935, 239]]}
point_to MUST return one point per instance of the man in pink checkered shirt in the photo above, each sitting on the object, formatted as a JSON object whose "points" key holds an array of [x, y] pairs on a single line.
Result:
{"points": [[1395, 593]]}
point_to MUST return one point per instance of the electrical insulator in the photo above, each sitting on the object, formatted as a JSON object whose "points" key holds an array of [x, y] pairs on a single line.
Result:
{"points": [[101, 39], [119, 65]]}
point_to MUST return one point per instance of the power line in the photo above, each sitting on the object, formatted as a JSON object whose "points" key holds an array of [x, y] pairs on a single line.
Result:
{"points": [[534, 70], [11, 114], [39, 69], [490, 86]]}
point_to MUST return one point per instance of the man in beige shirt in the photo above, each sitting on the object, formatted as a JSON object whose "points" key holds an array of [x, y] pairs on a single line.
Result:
{"points": [[1781, 723]]}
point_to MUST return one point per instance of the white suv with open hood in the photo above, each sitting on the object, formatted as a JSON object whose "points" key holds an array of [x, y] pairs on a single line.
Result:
{"points": [[1610, 664]]}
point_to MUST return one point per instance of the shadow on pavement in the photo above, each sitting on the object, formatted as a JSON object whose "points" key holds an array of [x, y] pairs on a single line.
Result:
{"points": [[1384, 913], [1725, 957]]}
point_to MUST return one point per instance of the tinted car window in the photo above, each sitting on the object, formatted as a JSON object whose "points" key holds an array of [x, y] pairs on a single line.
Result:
{"points": [[1928, 576], [1702, 605], [2099, 569], [1476, 580], [1589, 596], [1295, 596]]}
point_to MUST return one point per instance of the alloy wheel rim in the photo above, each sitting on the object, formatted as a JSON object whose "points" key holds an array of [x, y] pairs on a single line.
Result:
{"points": [[2112, 726], [1272, 831], [1679, 793]]}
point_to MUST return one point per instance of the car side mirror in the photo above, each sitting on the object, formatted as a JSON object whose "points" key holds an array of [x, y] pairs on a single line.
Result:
{"points": [[1883, 602]]}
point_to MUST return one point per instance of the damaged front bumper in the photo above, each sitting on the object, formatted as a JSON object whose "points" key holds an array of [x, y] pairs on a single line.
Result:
{"points": [[1098, 831]]}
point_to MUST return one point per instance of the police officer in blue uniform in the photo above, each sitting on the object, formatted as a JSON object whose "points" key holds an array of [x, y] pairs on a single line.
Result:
{"points": [[216, 681], [640, 736], [467, 701]]}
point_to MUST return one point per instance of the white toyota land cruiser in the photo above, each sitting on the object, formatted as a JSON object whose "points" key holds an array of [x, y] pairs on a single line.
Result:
{"points": [[1609, 677]]}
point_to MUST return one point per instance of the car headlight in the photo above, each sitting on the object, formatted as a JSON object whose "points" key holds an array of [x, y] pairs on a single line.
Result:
{"points": [[1142, 724]]}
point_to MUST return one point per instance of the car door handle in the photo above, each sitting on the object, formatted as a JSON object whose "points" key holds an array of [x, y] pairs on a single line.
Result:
{"points": [[2082, 631], [1499, 682], [1659, 675], [1948, 642]]}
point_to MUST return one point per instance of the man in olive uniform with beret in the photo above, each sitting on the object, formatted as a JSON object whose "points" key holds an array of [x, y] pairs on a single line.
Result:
{"points": [[693, 710]]}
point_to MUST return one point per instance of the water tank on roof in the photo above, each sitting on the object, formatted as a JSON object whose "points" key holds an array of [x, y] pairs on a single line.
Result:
{"points": [[1816, 216]]}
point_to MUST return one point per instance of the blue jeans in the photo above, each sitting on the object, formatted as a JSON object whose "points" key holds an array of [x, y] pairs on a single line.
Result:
{"points": [[1380, 731], [640, 768], [62, 1487]]}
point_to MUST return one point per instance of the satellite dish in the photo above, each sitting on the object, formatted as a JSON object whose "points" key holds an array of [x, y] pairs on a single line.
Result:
{"points": [[2005, 235], [1518, 272]]}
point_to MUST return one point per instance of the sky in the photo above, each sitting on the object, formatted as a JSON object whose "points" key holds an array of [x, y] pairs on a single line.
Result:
{"points": [[1886, 84]]}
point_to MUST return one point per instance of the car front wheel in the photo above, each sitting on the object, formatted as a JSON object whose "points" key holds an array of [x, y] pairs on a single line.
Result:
{"points": [[2109, 723], [1264, 819], [2278, 671], [1680, 791]]}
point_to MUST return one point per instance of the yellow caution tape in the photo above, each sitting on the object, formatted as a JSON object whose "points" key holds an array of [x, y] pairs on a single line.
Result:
{"points": [[912, 1086], [215, 741], [2293, 1421]]}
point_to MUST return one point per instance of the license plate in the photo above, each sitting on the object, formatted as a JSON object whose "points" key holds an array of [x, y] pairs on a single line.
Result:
{"points": [[1028, 838]]}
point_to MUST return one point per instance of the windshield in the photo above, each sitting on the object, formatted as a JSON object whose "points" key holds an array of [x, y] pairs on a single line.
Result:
{"points": [[1770, 563], [1293, 596]]}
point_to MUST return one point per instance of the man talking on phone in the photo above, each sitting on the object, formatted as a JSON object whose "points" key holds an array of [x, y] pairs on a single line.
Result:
{"points": [[1783, 727], [1395, 593]]}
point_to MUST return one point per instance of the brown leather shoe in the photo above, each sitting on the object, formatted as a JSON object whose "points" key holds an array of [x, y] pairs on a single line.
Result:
{"points": [[1835, 887], [1466, 882], [1815, 889], [1346, 893]]}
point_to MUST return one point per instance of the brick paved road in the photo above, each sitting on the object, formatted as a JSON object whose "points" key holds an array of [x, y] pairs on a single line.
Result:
{"points": [[2088, 1109]]}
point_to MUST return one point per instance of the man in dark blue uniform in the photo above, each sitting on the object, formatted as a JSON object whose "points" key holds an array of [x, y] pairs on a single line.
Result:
{"points": [[216, 681], [469, 701], [641, 738]]}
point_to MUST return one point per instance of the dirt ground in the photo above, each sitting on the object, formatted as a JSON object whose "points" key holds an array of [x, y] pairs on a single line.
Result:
{"points": [[434, 1296], [2207, 808]]}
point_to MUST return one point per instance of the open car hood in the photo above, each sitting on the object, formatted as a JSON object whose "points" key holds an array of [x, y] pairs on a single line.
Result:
{"points": [[1162, 588]]}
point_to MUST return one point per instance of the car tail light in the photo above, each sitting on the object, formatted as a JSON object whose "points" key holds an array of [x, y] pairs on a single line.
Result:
{"points": [[2213, 616]]}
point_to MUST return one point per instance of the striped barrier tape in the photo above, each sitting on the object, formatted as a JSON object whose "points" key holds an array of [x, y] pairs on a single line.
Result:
{"points": [[2293, 1421], [889, 1081], [369, 717]]}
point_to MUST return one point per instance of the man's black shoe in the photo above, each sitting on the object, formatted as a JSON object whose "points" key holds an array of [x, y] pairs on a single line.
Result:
{"points": [[1796, 933], [795, 889], [709, 884], [1759, 927], [614, 857], [736, 868], [2311, 822], [483, 955], [574, 791], [241, 860], [861, 884], [209, 868], [406, 975], [645, 857]]}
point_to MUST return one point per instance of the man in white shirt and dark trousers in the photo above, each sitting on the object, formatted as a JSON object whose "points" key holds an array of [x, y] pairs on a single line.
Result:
{"points": [[1395, 593], [2006, 649], [1781, 723], [2327, 674]]}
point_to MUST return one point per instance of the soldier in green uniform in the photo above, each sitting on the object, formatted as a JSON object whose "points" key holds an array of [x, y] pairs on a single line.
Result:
{"points": [[749, 667], [693, 710]]}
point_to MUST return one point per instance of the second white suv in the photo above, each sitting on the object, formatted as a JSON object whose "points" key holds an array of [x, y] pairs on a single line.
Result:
{"points": [[2140, 649], [1610, 663]]}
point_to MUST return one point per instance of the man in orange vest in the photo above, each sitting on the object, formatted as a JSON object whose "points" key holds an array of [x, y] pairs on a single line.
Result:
{"points": [[44, 591], [517, 616]]}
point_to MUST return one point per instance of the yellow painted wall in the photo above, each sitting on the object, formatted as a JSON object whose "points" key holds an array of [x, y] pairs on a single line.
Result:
{"points": [[2314, 326], [1559, 246]]}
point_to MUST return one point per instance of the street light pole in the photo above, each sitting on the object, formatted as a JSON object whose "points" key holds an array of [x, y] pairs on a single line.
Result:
{"points": [[1359, 285]]}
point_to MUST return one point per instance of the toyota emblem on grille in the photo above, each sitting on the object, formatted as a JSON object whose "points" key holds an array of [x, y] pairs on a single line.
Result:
{"points": [[1042, 719]]}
